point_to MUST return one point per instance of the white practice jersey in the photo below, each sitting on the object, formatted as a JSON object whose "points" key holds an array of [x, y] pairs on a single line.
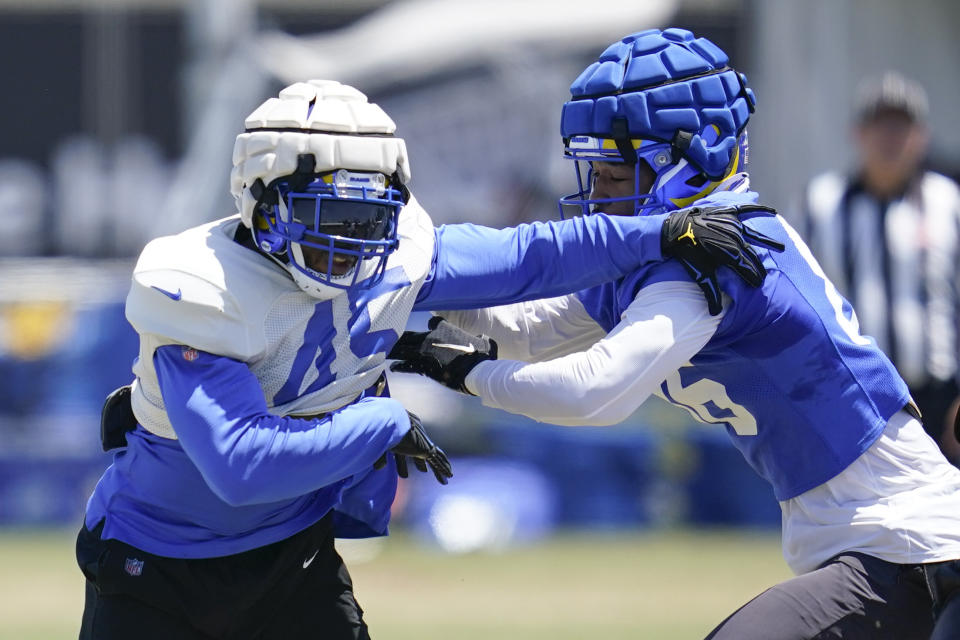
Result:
{"points": [[203, 290]]}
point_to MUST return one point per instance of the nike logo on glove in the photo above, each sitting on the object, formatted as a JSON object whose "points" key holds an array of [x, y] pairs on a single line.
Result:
{"points": [[466, 348], [169, 294], [306, 563]]}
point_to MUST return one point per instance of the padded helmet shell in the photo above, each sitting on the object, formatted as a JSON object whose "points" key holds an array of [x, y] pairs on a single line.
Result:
{"points": [[662, 83], [311, 130], [332, 121], [665, 98]]}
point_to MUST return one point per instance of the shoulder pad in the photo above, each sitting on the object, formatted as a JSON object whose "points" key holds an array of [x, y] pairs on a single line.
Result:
{"points": [[189, 289]]}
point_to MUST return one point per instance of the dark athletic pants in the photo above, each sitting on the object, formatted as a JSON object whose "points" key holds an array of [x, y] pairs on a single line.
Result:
{"points": [[853, 596], [292, 589]]}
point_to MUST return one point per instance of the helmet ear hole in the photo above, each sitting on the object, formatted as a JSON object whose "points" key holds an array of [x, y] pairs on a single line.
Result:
{"points": [[697, 181]]}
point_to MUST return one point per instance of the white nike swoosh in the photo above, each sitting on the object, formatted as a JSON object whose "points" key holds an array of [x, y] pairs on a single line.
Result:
{"points": [[306, 563], [456, 347]]}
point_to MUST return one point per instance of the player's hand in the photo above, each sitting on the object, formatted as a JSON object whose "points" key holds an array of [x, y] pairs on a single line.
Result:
{"points": [[706, 238], [416, 444], [445, 353]]}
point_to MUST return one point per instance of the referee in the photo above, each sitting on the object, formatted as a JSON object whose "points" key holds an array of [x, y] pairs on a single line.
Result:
{"points": [[888, 236]]}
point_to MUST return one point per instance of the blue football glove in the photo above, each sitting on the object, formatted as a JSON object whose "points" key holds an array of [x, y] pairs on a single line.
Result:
{"points": [[706, 238]]}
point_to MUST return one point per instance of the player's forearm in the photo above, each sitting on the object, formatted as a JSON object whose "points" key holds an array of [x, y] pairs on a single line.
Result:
{"points": [[661, 330], [564, 391], [478, 266], [273, 458], [533, 331], [250, 456]]}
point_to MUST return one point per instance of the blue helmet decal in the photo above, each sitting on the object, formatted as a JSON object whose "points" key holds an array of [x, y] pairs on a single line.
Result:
{"points": [[664, 86]]}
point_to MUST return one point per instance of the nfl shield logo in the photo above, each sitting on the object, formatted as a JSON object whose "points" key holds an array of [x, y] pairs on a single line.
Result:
{"points": [[133, 566], [190, 354]]}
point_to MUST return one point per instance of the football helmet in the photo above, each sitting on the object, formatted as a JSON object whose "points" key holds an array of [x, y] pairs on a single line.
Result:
{"points": [[659, 99], [318, 178]]}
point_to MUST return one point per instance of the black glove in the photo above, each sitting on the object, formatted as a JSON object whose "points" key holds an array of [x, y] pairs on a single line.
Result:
{"points": [[416, 444], [446, 353], [705, 238]]}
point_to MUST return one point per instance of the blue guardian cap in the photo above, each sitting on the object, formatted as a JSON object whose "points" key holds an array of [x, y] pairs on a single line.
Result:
{"points": [[664, 100]]}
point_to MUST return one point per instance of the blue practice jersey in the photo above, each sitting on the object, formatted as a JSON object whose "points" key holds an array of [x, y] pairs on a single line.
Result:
{"points": [[799, 390]]}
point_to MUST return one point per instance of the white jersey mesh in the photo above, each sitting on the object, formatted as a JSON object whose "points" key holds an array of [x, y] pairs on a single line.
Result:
{"points": [[283, 327]]}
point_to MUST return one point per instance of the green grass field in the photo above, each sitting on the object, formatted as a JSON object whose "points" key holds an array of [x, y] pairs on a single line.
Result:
{"points": [[663, 585]]}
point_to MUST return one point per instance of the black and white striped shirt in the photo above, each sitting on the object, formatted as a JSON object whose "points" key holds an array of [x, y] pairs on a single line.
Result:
{"points": [[898, 264]]}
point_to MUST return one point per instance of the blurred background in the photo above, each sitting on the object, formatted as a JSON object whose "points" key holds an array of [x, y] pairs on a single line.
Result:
{"points": [[118, 124]]}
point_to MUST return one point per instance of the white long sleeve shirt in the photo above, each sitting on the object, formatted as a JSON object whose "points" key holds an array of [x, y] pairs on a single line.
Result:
{"points": [[666, 325]]}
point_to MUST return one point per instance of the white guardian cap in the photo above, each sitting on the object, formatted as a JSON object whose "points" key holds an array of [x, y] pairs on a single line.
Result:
{"points": [[318, 176]]}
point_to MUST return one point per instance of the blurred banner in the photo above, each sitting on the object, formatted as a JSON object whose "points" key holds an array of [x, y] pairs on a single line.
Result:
{"points": [[64, 344]]}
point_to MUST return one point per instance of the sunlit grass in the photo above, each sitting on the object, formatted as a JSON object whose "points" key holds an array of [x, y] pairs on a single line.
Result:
{"points": [[662, 585]]}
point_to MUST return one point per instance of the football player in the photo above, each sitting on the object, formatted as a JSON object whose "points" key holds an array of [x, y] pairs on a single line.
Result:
{"points": [[259, 426], [871, 508]]}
